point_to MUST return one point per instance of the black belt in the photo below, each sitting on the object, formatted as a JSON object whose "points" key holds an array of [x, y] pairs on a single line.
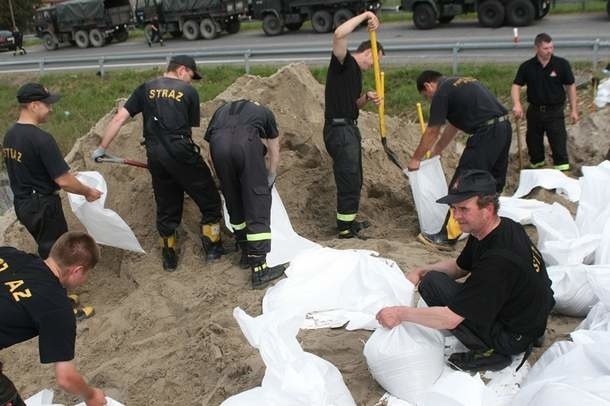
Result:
{"points": [[492, 121], [37, 195], [342, 121], [546, 107]]}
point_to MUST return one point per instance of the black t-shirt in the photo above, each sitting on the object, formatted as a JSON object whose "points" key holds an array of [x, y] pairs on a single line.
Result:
{"points": [[545, 85], [343, 87], [33, 160], [508, 281], [173, 102], [243, 113], [465, 103], [34, 303]]}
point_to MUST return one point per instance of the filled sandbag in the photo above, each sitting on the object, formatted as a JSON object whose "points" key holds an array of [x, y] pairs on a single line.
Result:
{"points": [[572, 290], [427, 185]]}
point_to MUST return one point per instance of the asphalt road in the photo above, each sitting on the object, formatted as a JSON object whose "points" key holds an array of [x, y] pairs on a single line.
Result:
{"points": [[561, 27]]}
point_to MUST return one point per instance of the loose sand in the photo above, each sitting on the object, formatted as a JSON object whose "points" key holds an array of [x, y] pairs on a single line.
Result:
{"points": [[161, 338]]}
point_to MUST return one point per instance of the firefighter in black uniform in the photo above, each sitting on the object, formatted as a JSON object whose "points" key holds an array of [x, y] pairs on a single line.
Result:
{"points": [[170, 107], [343, 99], [33, 303], [37, 170], [240, 134], [470, 107], [547, 78]]}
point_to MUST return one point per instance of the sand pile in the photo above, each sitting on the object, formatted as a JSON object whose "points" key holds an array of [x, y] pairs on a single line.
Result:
{"points": [[161, 338]]}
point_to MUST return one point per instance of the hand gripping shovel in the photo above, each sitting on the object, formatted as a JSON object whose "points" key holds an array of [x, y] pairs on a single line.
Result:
{"points": [[118, 160], [379, 89]]}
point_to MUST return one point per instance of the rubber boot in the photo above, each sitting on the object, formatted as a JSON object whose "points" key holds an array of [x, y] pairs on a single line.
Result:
{"points": [[168, 253], [441, 240], [263, 274], [241, 244], [210, 238], [352, 229]]}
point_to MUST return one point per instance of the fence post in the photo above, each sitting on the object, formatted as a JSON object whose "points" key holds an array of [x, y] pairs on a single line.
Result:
{"points": [[41, 65], [454, 57], [102, 67], [595, 54], [247, 61]]}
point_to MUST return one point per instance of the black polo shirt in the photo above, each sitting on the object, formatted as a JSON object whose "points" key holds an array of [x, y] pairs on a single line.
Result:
{"points": [[33, 160], [465, 103], [246, 113], [34, 303], [169, 107], [545, 85], [343, 88]]}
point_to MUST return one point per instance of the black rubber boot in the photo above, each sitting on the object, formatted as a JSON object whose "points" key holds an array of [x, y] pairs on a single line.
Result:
{"points": [[488, 360], [354, 230], [241, 244], [168, 253], [263, 274], [210, 239]]}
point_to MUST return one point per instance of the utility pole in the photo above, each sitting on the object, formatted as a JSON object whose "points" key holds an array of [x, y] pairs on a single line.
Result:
{"points": [[10, 6]]}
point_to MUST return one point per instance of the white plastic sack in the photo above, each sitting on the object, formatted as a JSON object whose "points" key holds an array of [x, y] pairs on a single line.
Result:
{"points": [[520, 210], [593, 210], [602, 97], [109, 402], [427, 185], [572, 290], [598, 319], [42, 398], [458, 389], [602, 253], [285, 242], [548, 179], [293, 377], [405, 360], [104, 225], [353, 284]]}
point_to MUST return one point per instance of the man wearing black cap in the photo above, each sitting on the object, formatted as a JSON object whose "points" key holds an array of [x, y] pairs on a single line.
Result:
{"points": [[37, 170], [502, 308], [170, 108]]}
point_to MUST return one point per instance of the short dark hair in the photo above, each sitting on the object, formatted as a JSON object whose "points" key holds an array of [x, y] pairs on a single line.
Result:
{"points": [[75, 248], [364, 45], [427, 76], [542, 37], [485, 200], [173, 67]]}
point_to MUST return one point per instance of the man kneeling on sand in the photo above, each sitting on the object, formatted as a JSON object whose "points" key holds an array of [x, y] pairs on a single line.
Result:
{"points": [[501, 309]]}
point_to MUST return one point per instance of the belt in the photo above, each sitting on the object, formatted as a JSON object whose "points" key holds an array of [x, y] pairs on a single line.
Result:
{"points": [[492, 121], [37, 195], [342, 121], [546, 107]]}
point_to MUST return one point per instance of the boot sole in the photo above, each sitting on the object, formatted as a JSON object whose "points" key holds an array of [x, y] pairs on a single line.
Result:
{"points": [[430, 244]]}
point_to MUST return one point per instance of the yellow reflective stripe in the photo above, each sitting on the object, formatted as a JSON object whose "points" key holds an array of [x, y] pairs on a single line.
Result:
{"points": [[258, 236], [240, 226], [563, 167], [537, 165], [346, 217]]}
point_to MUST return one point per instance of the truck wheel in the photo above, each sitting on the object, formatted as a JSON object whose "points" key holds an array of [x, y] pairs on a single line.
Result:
{"points": [[445, 19], [49, 41], [294, 26], [208, 28], [341, 16], [81, 38], [491, 13], [520, 13], [190, 30], [96, 38], [272, 25], [322, 21], [424, 16], [233, 27]]}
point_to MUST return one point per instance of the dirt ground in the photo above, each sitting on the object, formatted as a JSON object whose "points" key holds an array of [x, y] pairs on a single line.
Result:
{"points": [[169, 338]]}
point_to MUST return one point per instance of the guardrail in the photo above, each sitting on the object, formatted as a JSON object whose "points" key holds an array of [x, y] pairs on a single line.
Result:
{"points": [[245, 55]]}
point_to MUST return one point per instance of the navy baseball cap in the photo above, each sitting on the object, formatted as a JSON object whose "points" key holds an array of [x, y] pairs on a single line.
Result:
{"points": [[188, 62], [31, 92], [471, 182]]}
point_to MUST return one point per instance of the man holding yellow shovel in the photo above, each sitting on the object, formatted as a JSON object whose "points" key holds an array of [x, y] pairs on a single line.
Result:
{"points": [[470, 107], [343, 100]]}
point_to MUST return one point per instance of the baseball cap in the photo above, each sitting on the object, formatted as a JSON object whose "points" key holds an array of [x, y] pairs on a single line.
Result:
{"points": [[469, 183], [188, 62], [31, 92]]}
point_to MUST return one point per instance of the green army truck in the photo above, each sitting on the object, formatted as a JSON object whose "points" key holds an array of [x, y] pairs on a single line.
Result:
{"points": [[83, 23], [491, 13]]}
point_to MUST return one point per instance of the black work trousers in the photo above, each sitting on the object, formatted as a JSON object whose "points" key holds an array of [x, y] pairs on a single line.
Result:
{"points": [[438, 289], [178, 173], [43, 217], [487, 149], [8, 393], [552, 122], [343, 143], [239, 161]]}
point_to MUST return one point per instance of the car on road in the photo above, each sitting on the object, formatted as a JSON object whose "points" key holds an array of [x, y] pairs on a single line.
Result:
{"points": [[7, 41]]}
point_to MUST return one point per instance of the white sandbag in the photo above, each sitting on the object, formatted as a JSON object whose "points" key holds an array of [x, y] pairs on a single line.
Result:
{"points": [[104, 225], [519, 210], [405, 360], [427, 185], [602, 96], [285, 242], [548, 179], [42, 398], [353, 284], [553, 223], [572, 291], [598, 319], [293, 377], [457, 388], [602, 253], [581, 392], [109, 402], [593, 210]]}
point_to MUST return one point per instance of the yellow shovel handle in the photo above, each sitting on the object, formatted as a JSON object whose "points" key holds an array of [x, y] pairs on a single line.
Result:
{"points": [[378, 81]]}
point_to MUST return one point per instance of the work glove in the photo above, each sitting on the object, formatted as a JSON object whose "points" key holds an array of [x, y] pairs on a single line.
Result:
{"points": [[98, 153], [271, 179]]}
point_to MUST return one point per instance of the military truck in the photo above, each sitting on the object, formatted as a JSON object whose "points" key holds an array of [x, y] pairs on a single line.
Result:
{"points": [[325, 15], [491, 13], [83, 23], [192, 19]]}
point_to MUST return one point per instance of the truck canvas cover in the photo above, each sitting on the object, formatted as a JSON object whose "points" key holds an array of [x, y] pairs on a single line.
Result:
{"points": [[184, 5], [80, 10]]}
